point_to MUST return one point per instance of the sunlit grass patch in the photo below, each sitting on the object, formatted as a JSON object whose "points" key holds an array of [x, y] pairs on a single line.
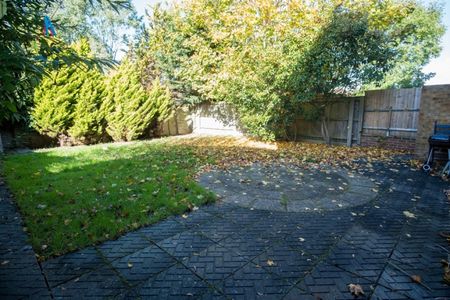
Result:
{"points": [[73, 197]]}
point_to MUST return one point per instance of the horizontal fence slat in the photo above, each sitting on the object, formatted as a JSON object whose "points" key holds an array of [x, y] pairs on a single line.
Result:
{"points": [[391, 129], [393, 110]]}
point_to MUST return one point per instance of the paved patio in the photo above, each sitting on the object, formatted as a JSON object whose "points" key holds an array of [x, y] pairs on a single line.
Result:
{"points": [[278, 232]]}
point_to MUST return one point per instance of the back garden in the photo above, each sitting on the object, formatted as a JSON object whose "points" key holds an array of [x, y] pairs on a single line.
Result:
{"points": [[118, 211]]}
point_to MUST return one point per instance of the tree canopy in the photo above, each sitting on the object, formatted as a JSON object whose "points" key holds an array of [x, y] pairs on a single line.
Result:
{"points": [[26, 54], [266, 57], [109, 30]]}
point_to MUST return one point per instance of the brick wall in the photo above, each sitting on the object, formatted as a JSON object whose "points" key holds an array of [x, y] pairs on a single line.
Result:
{"points": [[435, 106], [388, 142]]}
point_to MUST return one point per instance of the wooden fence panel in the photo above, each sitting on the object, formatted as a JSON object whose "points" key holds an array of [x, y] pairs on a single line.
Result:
{"points": [[392, 113], [380, 113], [343, 123]]}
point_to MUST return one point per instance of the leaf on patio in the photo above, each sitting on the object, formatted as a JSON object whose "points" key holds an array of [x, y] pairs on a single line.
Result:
{"points": [[356, 290], [270, 262], [130, 265], [416, 278], [409, 214]]}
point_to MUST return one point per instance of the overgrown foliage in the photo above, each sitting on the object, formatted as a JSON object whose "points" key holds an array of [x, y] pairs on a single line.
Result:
{"points": [[267, 57]]}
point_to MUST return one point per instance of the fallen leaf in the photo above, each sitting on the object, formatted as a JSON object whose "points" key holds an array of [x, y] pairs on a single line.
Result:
{"points": [[356, 290], [130, 265], [416, 279], [409, 214], [270, 262]]}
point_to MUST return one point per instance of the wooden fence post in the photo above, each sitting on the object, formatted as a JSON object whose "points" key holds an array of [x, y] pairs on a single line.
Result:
{"points": [[388, 132], [351, 110], [362, 102]]}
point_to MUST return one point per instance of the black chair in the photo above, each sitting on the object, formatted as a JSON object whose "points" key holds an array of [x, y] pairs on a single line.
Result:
{"points": [[439, 139]]}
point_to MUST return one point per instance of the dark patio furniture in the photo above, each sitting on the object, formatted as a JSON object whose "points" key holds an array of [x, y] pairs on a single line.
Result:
{"points": [[439, 140]]}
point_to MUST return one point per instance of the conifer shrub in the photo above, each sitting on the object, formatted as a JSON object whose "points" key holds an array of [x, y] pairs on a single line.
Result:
{"points": [[88, 119], [130, 109], [67, 102], [54, 101]]}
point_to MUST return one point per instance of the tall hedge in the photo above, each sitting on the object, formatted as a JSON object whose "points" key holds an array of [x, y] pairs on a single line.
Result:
{"points": [[88, 118], [67, 102], [54, 101], [129, 108]]}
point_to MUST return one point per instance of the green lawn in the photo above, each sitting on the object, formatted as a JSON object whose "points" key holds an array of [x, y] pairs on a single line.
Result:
{"points": [[73, 197]]}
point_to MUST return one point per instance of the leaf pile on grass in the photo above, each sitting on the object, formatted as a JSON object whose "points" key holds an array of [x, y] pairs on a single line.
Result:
{"points": [[74, 197], [232, 151]]}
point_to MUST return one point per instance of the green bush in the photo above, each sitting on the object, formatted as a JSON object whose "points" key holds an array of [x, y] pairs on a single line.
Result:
{"points": [[68, 101], [54, 101], [129, 108], [88, 118]]}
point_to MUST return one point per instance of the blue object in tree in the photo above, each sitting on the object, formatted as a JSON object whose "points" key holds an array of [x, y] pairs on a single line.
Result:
{"points": [[48, 27]]}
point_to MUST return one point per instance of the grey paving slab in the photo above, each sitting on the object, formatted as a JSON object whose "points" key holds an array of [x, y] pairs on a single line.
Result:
{"points": [[215, 263], [176, 282], [293, 189], [254, 282], [20, 274], [185, 244], [127, 244], [101, 283], [70, 266], [143, 264]]}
